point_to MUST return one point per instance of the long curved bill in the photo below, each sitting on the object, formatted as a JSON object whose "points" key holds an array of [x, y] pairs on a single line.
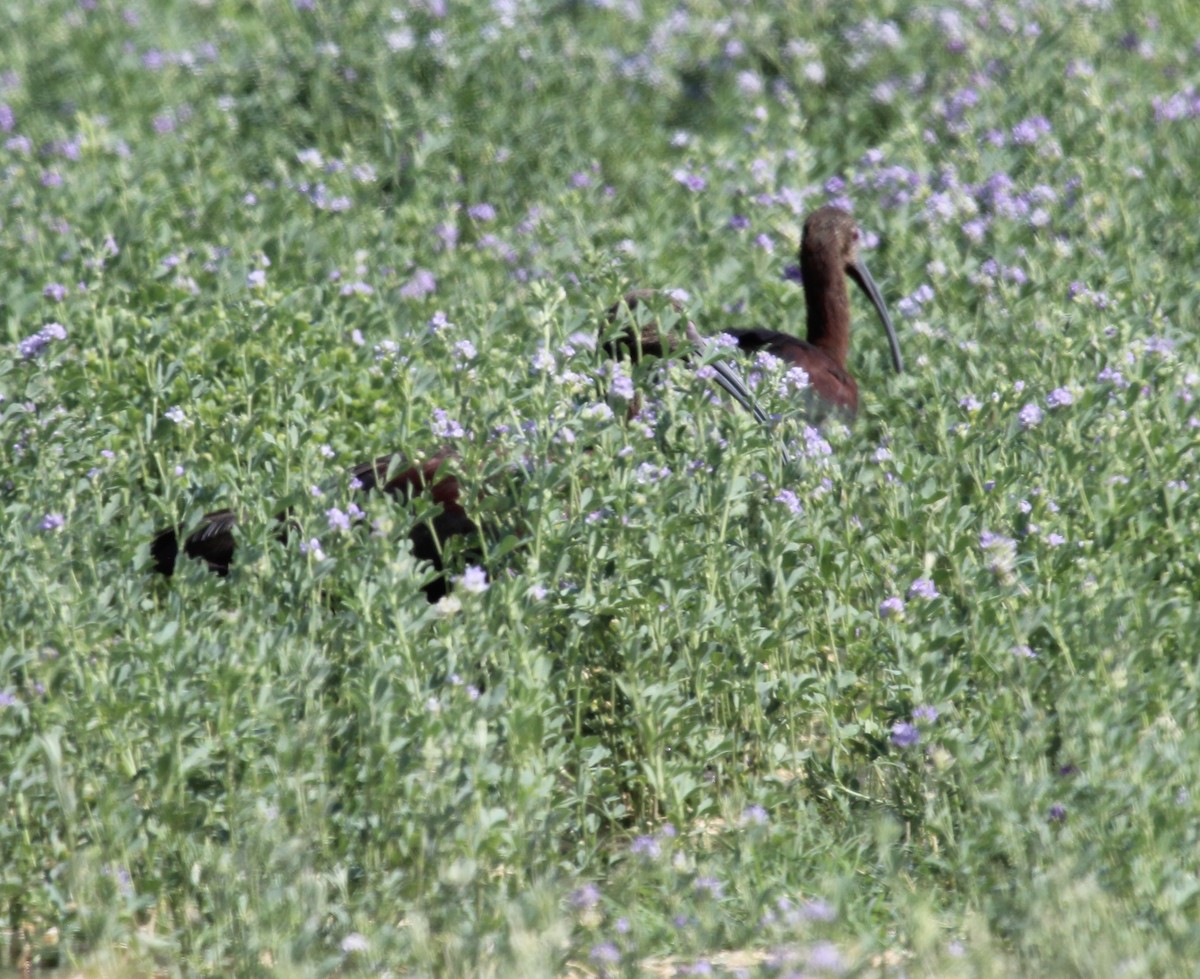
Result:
{"points": [[730, 379], [858, 272]]}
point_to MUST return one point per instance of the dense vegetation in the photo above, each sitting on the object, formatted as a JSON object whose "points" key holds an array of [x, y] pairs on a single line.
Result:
{"points": [[922, 700]]}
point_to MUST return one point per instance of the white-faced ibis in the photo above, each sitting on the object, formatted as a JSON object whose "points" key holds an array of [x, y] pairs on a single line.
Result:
{"points": [[828, 254], [213, 541]]}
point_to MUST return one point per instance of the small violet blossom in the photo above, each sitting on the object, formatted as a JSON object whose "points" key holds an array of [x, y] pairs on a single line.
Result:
{"points": [[421, 284], [473, 580], [692, 181], [1030, 415], [445, 427], [35, 343], [923, 588], [790, 500]]}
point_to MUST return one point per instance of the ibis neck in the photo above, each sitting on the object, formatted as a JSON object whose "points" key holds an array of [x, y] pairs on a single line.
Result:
{"points": [[828, 302]]}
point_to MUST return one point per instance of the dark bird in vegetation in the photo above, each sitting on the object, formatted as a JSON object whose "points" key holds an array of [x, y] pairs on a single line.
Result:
{"points": [[828, 255], [213, 541]]}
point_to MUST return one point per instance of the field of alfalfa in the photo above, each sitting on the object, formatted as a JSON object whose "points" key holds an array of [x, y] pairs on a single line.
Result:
{"points": [[920, 701]]}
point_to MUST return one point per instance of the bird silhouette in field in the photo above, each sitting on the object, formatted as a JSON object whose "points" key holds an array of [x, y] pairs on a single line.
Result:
{"points": [[213, 541], [828, 256]]}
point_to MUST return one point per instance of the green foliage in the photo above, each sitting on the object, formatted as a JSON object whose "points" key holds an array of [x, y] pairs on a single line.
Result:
{"points": [[941, 720]]}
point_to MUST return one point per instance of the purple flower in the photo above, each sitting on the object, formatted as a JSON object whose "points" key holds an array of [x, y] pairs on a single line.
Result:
{"points": [[815, 445], [754, 815], [794, 379], [1023, 652], [481, 212], [825, 957], [1114, 377], [443, 426], [1029, 131], [923, 588], [421, 284], [175, 414], [622, 385], [1030, 415], [926, 714], [34, 344], [710, 886], [1059, 397], [1057, 813], [8, 699], [55, 291], [256, 279], [892, 608], [790, 500], [473, 580], [692, 181], [646, 846], [337, 519], [970, 403], [904, 734], [818, 910], [312, 546], [765, 242], [448, 235], [910, 306], [586, 898], [606, 953], [648, 472], [51, 521]]}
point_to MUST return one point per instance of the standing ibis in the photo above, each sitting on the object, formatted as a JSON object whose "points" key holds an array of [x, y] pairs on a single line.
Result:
{"points": [[213, 541], [828, 254]]}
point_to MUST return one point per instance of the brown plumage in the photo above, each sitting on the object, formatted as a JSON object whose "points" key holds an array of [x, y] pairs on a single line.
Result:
{"points": [[213, 541], [828, 255]]}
